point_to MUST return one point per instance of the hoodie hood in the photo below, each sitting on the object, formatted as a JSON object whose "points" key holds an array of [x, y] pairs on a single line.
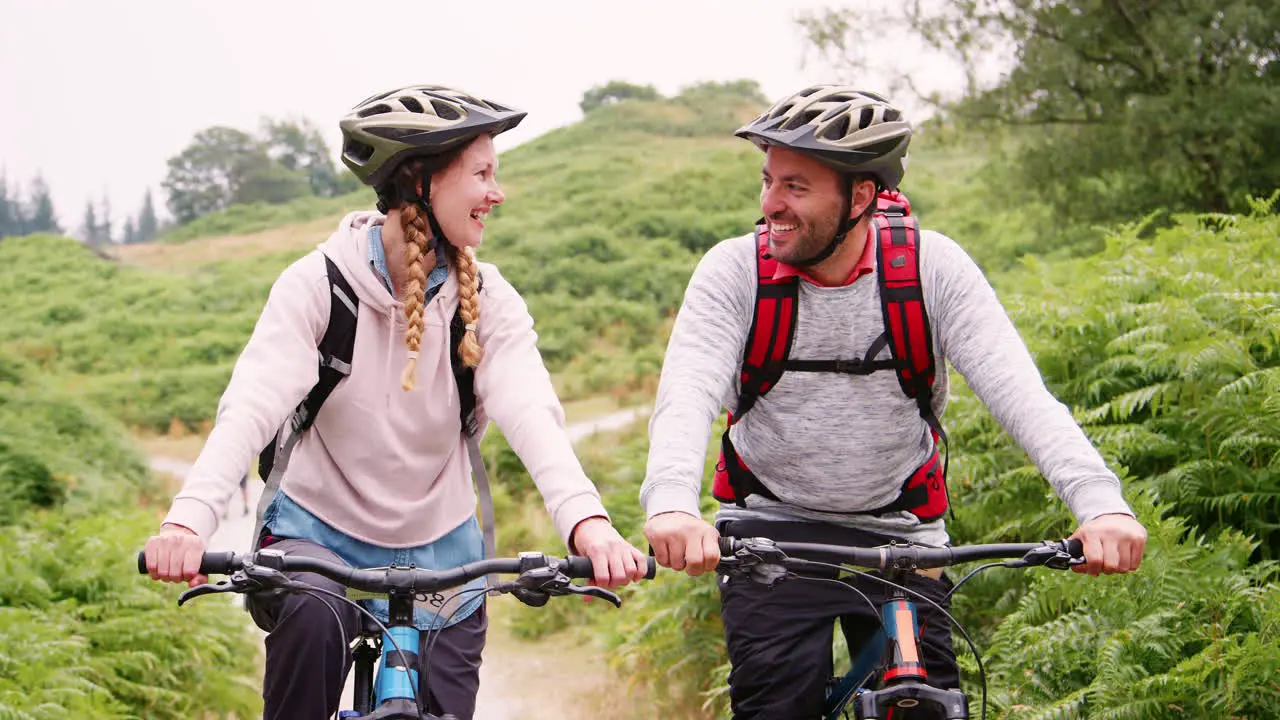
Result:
{"points": [[348, 247]]}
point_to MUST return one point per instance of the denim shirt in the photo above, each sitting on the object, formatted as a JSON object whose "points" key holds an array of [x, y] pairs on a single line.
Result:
{"points": [[378, 261], [461, 545]]}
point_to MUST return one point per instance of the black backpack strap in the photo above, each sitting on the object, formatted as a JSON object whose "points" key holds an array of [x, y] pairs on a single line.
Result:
{"points": [[335, 351], [336, 347]]}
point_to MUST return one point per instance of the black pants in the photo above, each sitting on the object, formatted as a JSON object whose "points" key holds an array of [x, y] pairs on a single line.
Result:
{"points": [[779, 638], [307, 663]]}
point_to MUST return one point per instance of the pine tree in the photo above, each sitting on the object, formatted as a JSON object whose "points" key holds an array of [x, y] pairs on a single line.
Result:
{"points": [[42, 216], [147, 223], [91, 230]]}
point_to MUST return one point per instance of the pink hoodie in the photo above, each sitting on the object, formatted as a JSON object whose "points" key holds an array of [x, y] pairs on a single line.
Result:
{"points": [[383, 465]]}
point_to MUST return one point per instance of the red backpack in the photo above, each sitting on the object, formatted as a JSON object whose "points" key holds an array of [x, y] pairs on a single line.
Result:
{"points": [[766, 356]]}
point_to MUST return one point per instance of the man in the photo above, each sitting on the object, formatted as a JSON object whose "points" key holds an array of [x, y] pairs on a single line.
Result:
{"points": [[823, 453]]}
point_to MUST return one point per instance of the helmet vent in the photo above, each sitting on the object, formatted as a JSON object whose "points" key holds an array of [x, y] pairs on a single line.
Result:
{"points": [[892, 115], [378, 109], [864, 119], [837, 129], [358, 151], [445, 110], [411, 104], [802, 119]]}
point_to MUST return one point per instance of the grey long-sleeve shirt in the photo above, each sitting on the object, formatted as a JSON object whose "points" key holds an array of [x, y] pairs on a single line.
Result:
{"points": [[846, 442]]}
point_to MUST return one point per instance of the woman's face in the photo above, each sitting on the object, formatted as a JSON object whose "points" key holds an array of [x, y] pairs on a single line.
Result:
{"points": [[463, 194]]}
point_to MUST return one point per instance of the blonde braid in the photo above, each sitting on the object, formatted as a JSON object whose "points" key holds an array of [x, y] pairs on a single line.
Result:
{"points": [[469, 305], [415, 233]]}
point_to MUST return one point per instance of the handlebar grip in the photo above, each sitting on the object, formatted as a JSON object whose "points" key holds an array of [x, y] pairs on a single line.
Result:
{"points": [[1075, 548], [726, 546], [213, 563], [580, 567]]}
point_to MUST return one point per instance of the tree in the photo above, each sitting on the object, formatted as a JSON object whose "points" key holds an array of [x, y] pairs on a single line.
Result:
{"points": [[297, 145], [106, 233], [42, 217], [222, 166], [91, 230], [10, 211], [147, 223], [1140, 104], [616, 91], [128, 235]]}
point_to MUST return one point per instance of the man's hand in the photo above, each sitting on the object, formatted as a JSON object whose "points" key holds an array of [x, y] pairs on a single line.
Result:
{"points": [[613, 559], [1112, 544], [683, 542]]}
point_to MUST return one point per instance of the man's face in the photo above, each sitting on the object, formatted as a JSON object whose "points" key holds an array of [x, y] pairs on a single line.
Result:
{"points": [[800, 197]]}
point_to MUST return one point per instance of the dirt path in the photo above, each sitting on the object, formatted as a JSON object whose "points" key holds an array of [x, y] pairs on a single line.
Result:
{"points": [[552, 679]]}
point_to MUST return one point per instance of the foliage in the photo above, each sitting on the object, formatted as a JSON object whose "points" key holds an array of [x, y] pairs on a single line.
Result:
{"points": [[1143, 104], [1196, 633], [298, 146], [242, 219], [34, 215], [222, 166], [81, 633], [615, 91], [76, 314], [1169, 349]]}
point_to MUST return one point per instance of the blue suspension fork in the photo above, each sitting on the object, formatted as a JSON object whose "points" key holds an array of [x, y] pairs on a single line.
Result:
{"points": [[398, 675]]}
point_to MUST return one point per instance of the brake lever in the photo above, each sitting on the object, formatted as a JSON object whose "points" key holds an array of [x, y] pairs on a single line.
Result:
{"points": [[591, 591], [222, 586], [535, 586], [247, 580], [1048, 555], [759, 560]]}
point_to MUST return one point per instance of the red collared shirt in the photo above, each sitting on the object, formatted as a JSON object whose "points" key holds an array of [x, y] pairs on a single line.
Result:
{"points": [[866, 264]]}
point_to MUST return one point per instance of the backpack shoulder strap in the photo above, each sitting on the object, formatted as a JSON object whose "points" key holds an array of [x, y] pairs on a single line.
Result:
{"points": [[336, 347], [906, 322], [773, 327], [335, 350]]}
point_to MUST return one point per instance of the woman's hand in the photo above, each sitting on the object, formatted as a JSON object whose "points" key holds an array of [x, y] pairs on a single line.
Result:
{"points": [[615, 561], [175, 554]]}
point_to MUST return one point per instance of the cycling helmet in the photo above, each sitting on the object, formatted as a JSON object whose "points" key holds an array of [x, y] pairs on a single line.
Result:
{"points": [[419, 120], [853, 131]]}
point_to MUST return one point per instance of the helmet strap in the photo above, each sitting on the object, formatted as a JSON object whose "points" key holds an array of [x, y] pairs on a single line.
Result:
{"points": [[424, 204], [846, 224], [391, 196]]}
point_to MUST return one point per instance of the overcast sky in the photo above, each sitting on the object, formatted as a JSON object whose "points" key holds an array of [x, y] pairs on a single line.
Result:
{"points": [[97, 95]]}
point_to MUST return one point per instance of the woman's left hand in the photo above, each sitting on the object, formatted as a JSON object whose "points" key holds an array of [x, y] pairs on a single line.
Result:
{"points": [[615, 561]]}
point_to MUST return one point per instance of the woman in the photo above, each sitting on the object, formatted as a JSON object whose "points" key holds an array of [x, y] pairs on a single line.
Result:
{"points": [[383, 476]]}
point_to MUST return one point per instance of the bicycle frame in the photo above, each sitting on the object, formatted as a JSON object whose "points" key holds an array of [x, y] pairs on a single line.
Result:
{"points": [[390, 694], [896, 645]]}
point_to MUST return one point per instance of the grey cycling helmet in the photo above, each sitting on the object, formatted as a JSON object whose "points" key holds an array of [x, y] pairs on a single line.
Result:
{"points": [[385, 130], [853, 131]]}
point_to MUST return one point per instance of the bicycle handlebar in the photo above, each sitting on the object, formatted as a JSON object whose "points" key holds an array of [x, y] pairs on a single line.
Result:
{"points": [[1052, 553], [394, 578]]}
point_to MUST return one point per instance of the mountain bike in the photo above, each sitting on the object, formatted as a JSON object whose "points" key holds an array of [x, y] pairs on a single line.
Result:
{"points": [[394, 693], [887, 675]]}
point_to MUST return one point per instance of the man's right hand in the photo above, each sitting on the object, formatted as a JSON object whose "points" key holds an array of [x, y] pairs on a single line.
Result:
{"points": [[683, 542], [174, 555]]}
